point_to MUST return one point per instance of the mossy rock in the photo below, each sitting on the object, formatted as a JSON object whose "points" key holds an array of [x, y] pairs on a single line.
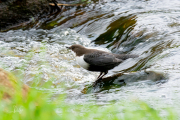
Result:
{"points": [[10, 86]]}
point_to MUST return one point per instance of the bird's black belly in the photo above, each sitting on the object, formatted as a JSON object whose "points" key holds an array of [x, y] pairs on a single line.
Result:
{"points": [[102, 68]]}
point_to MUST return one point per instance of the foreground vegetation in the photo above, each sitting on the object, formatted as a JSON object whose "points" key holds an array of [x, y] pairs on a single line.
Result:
{"points": [[38, 105]]}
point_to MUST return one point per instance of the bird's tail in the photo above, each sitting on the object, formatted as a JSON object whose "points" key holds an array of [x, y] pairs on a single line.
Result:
{"points": [[126, 56]]}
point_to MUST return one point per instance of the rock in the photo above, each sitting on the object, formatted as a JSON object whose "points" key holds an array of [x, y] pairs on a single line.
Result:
{"points": [[9, 86], [13, 12]]}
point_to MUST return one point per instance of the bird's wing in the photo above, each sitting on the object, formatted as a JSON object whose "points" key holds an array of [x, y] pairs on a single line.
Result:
{"points": [[101, 59]]}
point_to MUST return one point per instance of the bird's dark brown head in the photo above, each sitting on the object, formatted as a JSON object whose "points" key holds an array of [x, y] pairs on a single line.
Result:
{"points": [[78, 49]]}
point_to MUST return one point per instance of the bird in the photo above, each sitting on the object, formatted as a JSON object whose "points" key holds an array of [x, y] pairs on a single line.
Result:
{"points": [[98, 60]]}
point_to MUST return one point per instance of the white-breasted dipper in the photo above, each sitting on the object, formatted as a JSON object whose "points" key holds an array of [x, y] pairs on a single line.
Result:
{"points": [[97, 60]]}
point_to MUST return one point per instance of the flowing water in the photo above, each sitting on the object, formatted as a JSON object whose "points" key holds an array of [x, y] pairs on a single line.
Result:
{"points": [[148, 28]]}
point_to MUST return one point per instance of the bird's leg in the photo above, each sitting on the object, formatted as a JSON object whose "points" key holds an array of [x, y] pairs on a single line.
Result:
{"points": [[98, 78], [103, 75], [99, 75]]}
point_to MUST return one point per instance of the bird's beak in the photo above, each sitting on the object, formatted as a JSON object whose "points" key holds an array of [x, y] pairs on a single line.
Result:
{"points": [[68, 47]]}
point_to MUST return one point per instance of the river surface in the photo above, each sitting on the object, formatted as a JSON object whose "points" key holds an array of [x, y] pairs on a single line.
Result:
{"points": [[148, 28]]}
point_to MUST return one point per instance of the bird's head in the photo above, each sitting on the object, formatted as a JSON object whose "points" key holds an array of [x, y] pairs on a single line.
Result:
{"points": [[78, 49]]}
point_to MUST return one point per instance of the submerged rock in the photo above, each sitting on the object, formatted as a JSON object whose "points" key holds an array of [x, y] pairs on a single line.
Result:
{"points": [[122, 79]]}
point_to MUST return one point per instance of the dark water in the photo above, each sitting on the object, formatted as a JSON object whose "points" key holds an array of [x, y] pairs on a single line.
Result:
{"points": [[148, 28]]}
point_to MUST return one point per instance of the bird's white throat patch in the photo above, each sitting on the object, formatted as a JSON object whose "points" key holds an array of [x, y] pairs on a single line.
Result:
{"points": [[81, 62]]}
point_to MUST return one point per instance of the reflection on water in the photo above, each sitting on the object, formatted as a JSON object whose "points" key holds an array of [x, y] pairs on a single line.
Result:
{"points": [[148, 28], [117, 32]]}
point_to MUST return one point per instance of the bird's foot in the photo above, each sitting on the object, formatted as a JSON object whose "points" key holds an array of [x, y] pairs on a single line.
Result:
{"points": [[97, 81]]}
